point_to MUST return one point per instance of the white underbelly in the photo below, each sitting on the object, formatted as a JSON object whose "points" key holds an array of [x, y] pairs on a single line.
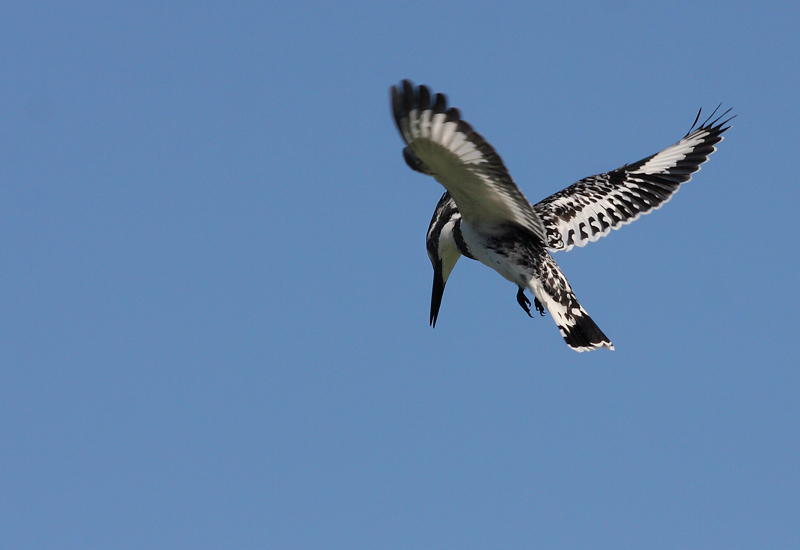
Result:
{"points": [[476, 242]]}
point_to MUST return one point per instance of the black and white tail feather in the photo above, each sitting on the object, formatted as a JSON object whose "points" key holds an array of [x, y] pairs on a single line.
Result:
{"points": [[484, 216]]}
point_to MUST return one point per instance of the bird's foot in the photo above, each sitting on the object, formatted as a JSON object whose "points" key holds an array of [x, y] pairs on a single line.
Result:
{"points": [[538, 305], [525, 304]]}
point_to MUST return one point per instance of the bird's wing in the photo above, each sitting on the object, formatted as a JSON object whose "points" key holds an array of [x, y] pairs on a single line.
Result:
{"points": [[590, 208], [446, 147]]}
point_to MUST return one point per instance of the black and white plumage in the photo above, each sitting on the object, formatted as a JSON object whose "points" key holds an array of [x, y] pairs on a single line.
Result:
{"points": [[445, 245], [484, 216]]}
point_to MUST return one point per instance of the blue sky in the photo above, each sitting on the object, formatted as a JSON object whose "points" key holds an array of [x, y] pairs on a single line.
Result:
{"points": [[214, 289]]}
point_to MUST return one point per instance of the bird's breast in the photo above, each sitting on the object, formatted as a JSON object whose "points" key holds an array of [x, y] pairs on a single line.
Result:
{"points": [[504, 249]]}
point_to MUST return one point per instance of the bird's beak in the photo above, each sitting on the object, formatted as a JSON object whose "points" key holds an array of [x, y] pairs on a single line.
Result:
{"points": [[437, 293]]}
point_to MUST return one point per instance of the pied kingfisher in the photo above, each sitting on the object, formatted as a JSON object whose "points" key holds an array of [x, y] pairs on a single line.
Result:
{"points": [[484, 216]]}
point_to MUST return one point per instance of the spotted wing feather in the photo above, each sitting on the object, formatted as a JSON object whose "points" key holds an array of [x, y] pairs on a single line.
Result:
{"points": [[592, 207]]}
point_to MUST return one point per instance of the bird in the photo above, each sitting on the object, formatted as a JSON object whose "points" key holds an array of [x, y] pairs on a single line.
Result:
{"points": [[484, 216]]}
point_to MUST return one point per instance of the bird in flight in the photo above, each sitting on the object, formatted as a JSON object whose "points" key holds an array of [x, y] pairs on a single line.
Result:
{"points": [[484, 216]]}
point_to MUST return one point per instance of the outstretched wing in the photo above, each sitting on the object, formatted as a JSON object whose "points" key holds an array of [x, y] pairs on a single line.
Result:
{"points": [[592, 207], [446, 147]]}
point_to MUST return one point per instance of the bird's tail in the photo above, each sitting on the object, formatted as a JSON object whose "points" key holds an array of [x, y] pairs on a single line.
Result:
{"points": [[581, 333], [578, 329]]}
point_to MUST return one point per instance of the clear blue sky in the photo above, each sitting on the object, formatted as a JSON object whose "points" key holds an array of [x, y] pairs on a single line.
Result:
{"points": [[214, 289]]}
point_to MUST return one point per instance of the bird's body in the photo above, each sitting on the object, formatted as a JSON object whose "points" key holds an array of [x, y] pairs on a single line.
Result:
{"points": [[484, 216]]}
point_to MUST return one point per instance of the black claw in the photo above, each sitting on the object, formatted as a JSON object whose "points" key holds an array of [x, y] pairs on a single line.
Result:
{"points": [[525, 303], [538, 305]]}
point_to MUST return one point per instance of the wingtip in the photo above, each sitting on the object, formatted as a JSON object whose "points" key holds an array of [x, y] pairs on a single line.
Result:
{"points": [[712, 123]]}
